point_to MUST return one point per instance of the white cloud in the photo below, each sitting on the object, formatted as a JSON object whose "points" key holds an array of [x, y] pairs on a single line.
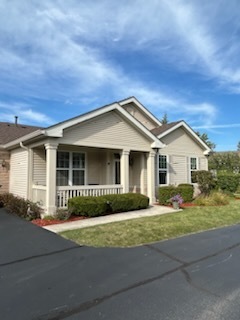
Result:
{"points": [[25, 114], [65, 51]]}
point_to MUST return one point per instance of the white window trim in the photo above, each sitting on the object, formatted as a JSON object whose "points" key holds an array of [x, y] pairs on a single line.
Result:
{"points": [[167, 170], [191, 170], [70, 168]]}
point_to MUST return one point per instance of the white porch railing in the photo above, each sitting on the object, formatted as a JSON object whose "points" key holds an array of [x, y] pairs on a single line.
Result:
{"points": [[39, 194], [67, 192]]}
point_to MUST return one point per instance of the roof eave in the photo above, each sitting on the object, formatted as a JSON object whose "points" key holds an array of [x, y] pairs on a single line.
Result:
{"points": [[24, 138]]}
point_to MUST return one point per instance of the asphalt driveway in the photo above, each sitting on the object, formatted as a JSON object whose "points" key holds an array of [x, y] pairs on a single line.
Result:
{"points": [[43, 276]]}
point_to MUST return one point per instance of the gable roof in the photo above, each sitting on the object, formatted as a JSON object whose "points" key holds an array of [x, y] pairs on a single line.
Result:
{"points": [[56, 130], [12, 131], [165, 129]]}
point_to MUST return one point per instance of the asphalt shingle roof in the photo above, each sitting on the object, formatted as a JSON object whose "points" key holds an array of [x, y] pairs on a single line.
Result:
{"points": [[159, 130], [12, 131]]}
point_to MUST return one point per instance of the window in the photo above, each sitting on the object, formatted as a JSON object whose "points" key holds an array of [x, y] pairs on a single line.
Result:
{"points": [[163, 169], [193, 166], [70, 168]]}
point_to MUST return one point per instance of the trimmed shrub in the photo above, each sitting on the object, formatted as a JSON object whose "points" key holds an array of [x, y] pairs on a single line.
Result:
{"points": [[88, 206], [112, 203], [184, 190], [166, 193], [205, 181], [126, 202], [19, 206], [228, 182]]}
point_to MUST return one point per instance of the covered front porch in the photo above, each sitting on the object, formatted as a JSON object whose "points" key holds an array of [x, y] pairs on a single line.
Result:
{"points": [[60, 172]]}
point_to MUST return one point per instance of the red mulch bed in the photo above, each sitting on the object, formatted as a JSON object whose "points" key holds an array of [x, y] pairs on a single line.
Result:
{"points": [[187, 204], [43, 222]]}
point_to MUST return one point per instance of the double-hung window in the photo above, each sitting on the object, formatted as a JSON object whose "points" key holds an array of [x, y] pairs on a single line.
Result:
{"points": [[193, 166], [163, 169], [70, 168]]}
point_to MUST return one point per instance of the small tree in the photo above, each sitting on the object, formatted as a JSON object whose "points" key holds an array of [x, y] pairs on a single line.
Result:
{"points": [[204, 180], [205, 139], [164, 119], [238, 146]]}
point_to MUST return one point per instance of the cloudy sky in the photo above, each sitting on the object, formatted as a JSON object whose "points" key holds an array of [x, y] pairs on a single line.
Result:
{"points": [[61, 58]]}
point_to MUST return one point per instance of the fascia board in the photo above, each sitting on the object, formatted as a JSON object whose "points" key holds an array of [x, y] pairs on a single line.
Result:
{"points": [[57, 130]]}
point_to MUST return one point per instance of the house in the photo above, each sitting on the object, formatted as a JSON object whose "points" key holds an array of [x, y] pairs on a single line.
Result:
{"points": [[118, 148]]}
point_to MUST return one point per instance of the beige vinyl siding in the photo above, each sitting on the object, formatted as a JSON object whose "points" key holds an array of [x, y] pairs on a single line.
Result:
{"points": [[19, 173], [179, 142], [178, 169], [180, 147], [39, 167], [106, 131], [140, 116]]}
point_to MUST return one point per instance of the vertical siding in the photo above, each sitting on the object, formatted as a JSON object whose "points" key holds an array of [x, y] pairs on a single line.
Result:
{"points": [[39, 167], [19, 173]]}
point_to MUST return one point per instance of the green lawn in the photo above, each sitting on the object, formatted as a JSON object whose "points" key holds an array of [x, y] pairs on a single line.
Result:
{"points": [[146, 230]]}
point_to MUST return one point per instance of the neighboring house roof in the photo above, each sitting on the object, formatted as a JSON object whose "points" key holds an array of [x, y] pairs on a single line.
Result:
{"points": [[11, 131]]}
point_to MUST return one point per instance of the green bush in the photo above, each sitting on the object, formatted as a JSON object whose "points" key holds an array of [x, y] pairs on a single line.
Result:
{"points": [[215, 198], [165, 193], [228, 182], [126, 202], [184, 190], [205, 181], [102, 205], [19, 206], [88, 206]]}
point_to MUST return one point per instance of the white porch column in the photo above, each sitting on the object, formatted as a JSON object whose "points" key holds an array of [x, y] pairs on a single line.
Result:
{"points": [[142, 174], [51, 158], [30, 174], [125, 170], [151, 177]]}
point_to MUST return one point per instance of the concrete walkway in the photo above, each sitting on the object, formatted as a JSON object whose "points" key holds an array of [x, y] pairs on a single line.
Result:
{"points": [[151, 211]]}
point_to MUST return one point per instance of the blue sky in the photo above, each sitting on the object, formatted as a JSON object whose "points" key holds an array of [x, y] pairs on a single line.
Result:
{"points": [[62, 58]]}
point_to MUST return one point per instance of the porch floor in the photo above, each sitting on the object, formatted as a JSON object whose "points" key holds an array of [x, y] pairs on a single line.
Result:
{"points": [[153, 210]]}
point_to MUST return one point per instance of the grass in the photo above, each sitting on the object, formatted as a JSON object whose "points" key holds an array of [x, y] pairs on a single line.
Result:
{"points": [[147, 230]]}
